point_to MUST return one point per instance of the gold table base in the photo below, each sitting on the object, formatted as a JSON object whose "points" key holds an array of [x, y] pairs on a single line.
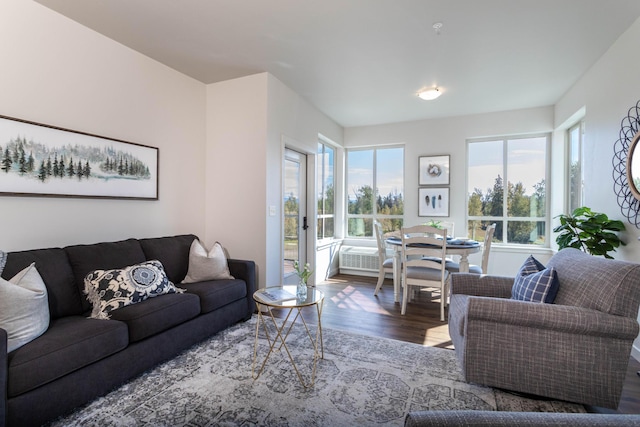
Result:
{"points": [[281, 338]]}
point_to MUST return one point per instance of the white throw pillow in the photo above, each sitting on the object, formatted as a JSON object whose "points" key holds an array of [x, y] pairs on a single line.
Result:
{"points": [[205, 265], [24, 307]]}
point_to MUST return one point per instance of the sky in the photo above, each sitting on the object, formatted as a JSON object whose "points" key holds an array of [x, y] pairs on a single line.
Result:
{"points": [[526, 163]]}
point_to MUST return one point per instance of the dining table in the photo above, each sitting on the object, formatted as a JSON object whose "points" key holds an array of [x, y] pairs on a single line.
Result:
{"points": [[455, 246]]}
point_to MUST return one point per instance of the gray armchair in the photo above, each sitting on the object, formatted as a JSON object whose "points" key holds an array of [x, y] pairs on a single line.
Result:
{"points": [[576, 349]]}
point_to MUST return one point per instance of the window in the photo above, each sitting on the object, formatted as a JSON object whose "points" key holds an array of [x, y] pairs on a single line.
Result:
{"points": [[518, 208], [575, 136], [375, 182], [326, 193]]}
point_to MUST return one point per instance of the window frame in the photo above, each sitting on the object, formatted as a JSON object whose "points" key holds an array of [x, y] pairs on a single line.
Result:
{"points": [[320, 182], [374, 215], [505, 218], [580, 125]]}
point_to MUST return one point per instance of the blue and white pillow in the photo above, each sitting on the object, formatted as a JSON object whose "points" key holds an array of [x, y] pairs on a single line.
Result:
{"points": [[535, 283], [109, 290], [3, 260]]}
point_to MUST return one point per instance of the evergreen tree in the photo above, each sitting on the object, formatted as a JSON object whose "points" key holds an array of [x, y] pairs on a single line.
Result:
{"points": [[71, 171], [87, 169], [31, 162], [6, 160], [56, 170], [48, 167], [42, 172], [22, 161], [61, 167]]}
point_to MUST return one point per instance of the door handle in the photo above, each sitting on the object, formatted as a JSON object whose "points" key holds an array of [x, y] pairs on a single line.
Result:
{"points": [[304, 223]]}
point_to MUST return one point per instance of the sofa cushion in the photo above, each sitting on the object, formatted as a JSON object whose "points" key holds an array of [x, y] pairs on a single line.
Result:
{"points": [[207, 265], [110, 290], [65, 298], [3, 260], [157, 314], [172, 252], [102, 256], [535, 283], [24, 308], [217, 293], [69, 344]]}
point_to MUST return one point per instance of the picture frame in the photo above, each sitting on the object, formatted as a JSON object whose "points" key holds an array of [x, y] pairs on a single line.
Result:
{"points": [[433, 201], [49, 161], [433, 170]]}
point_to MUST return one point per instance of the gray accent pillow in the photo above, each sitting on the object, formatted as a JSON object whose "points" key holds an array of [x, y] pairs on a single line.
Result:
{"points": [[24, 307], [109, 290], [207, 265]]}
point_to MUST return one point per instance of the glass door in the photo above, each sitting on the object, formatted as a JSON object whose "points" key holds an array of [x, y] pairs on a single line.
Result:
{"points": [[295, 213]]}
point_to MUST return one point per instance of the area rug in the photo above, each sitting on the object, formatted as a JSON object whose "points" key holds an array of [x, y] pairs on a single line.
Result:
{"points": [[361, 381]]}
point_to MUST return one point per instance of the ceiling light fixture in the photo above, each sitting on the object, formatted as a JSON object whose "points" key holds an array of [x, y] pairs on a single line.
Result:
{"points": [[430, 94]]}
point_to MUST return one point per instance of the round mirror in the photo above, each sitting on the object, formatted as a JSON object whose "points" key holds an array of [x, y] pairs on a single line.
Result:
{"points": [[633, 166]]}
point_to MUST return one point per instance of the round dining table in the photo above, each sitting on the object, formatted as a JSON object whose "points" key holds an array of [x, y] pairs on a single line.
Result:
{"points": [[460, 247]]}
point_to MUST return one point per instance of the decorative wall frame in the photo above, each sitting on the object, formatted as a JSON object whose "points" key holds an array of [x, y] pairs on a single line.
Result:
{"points": [[626, 178], [433, 201], [44, 160], [433, 170]]}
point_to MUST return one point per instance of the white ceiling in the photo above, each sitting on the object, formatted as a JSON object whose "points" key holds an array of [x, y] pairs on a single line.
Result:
{"points": [[361, 62]]}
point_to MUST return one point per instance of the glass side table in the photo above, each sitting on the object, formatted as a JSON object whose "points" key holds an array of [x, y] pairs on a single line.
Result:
{"points": [[284, 297]]}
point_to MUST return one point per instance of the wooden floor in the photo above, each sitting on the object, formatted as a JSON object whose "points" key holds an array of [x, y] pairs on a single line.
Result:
{"points": [[350, 306]]}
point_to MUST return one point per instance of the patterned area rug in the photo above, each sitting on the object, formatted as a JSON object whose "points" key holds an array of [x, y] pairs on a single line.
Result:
{"points": [[361, 381]]}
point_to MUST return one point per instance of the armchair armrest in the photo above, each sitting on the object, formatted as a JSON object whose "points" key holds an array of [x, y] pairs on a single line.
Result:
{"points": [[481, 285], [569, 319]]}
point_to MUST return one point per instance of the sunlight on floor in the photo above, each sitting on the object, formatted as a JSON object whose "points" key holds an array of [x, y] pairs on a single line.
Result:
{"points": [[352, 299]]}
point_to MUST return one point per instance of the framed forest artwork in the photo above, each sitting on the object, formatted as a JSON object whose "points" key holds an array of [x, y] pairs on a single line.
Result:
{"points": [[44, 160]]}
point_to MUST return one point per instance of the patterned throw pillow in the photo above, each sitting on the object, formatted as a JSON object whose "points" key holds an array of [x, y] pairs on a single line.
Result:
{"points": [[535, 283], [109, 290], [3, 260]]}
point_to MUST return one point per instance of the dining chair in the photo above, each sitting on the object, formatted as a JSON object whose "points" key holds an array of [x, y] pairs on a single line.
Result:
{"points": [[385, 263], [419, 244], [454, 267]]}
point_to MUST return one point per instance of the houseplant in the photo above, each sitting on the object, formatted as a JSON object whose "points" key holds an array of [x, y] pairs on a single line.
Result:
{"points": [[589, 231], [303, 275]]}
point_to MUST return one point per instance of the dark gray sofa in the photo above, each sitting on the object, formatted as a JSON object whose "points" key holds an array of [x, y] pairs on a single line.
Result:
{"points": [[78, 358]]}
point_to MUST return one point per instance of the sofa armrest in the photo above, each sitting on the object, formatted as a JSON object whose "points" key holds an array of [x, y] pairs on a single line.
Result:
{"points": [[481, 285], [531, 419], [569, 319], [4, 376], [245, 270]]}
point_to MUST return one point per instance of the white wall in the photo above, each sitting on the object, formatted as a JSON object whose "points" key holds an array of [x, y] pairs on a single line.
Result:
{"points": [[57, 72], [236, 207], [248, 121], [448, 136], [607, 91]]}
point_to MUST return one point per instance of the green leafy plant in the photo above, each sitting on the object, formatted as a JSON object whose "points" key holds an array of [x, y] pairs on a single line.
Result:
{"points": [[589, 231], [303, 273], [435, 224]]}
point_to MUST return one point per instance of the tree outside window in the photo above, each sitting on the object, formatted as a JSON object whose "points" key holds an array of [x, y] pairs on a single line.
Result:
{"points": [[375, 181], [519, 206]]}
